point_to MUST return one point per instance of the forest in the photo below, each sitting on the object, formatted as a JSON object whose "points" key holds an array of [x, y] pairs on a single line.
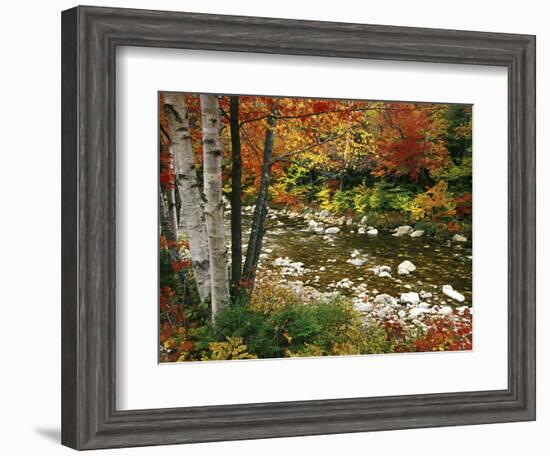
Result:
{"points": [[298, 227]]}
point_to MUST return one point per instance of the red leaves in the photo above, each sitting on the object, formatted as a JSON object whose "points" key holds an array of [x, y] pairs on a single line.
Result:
{"points": [[452, 333], [409, 140], [167, 298], [463, 204], [177, 266]]}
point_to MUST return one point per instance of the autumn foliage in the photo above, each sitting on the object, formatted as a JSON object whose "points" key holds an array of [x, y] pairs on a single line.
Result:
{"points": [[393, 163]]}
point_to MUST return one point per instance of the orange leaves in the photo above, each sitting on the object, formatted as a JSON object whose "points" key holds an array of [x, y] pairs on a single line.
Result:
{"points": [[435, 203]]}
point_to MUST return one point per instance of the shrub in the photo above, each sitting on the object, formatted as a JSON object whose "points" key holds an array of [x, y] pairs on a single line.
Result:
{"points": [[257, 332], [232, 349], [270, 296], [295, 326], [435, 203], [343, 331]]}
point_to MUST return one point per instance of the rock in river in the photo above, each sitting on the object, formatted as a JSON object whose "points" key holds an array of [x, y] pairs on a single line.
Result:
{"points": [[417, 233], [362, 230], [411, 298], [372, 232], [402, 230], [332, 230], [417, 311], [448, 291], [406, 267], [324, 213], [385, 299], [445, 310], [344, 283], [362, 306], [357, 261], [459, 238]]}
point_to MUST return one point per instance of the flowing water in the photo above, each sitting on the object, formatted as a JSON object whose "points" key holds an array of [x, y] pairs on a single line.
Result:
{"points": [[437, 262]]}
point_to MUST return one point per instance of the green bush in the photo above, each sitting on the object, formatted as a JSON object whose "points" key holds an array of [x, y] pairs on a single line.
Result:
{"points": [[331, 327], [295, 326], [256, 330]]}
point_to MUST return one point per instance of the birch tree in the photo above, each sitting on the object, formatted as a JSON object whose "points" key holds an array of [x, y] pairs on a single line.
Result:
{"points": [[191, 216], [212, 173]]}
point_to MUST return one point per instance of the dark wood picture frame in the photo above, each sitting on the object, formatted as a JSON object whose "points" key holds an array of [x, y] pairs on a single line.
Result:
{"points": [[90, 36]]}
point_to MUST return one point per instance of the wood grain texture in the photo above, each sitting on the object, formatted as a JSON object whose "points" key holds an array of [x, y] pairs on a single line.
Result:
{"points": [[90, 36]]}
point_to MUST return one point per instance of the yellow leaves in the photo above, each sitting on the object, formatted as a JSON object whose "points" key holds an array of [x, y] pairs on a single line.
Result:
{"points": [[169, 344], [232, 349], [308, 351], [287, 337], [270, 297], [435, 202]]}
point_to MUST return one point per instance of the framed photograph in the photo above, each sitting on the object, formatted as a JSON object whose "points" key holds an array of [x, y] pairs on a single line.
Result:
{"points": [[280, 228]]}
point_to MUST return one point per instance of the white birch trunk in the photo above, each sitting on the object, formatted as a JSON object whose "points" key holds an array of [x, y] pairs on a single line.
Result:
{"points": [[212, 169], [191, 210]]}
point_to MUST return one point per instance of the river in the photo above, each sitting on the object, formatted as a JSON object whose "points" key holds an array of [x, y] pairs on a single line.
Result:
{"points": [[326, 259]]}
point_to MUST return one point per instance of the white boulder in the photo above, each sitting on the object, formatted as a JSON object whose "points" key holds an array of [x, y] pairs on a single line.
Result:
{"points": [[385, 299], [381, 271], [372, 232], [332, 230], [324, 213], [425, 294], [361, 230], [402, 230], [344, 283], [362, 306], [459, 238], [357, 261], [364, 220], [410, 298], [416, 312], [417, 233], [445, 310], [406, 267], [453, 294], [281, 262]]}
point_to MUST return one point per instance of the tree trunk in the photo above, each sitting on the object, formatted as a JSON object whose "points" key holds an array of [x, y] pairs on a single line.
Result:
{"points": [[236, 174], [212, 169], [167, 151], [260, 211], [165, 227], [191, 210]]}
